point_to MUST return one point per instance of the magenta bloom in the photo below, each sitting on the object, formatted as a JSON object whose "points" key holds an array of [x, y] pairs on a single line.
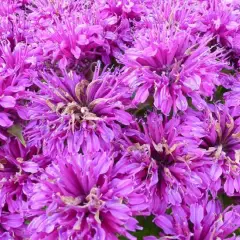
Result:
{"points": [[217, 129], [114, 113], [87, 31], [9, 7], [16, 170], [172, 66], [11, 226], [127, 8], [221, 18], [79, 198], [232, 97], [71, 40], [222, 146], [17, 71], [204, 221], [81, 114], [163, 158]]}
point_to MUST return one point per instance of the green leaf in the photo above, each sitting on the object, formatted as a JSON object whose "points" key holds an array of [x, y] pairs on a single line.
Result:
{"points": [[122, 238], [16, 130], [149, 228], [226, 200], [27, 222], [143, 107], [228, 71], [219, 93]]}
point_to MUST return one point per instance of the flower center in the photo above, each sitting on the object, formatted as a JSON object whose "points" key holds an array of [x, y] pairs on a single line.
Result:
{"points": [[162, 154], [75, 110]]}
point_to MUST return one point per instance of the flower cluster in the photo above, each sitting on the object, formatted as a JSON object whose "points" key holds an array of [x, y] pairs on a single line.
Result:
{"points": [[119, 119]]}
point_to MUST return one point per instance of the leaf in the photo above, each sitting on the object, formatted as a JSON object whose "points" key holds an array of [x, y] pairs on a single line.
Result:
{"points": [[227, 201], [237, 232], [219, 93], [27, 222], [16, 130], [228, 71], [122, 238], [149, 228], [143, 108]]}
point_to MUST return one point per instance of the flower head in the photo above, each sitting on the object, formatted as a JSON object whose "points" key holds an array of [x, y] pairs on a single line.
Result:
{"points": [[17, 167], [163, 161], [73, 34], [78, 197], [208, 218], [85, 115], [222, 144], [171, 65], [222, 19], [217, 131], [17, 66]]}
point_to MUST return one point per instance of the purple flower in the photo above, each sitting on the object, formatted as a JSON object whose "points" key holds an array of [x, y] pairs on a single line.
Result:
{"points": [[85, 33], [172, 66], [127, 8], [222, 19], [74, 43], [81, 114], [231, 83], [11, 226], [9, 7], [165, 159], [117, 111], [16, 69], [16, 171], [217, 129], [77, 197], [222, 144], [180, 13], [206, 220], [232, 97]]}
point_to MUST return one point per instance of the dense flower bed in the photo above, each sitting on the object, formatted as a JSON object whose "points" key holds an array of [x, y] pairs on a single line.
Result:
{"points": [[119, 119]]}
